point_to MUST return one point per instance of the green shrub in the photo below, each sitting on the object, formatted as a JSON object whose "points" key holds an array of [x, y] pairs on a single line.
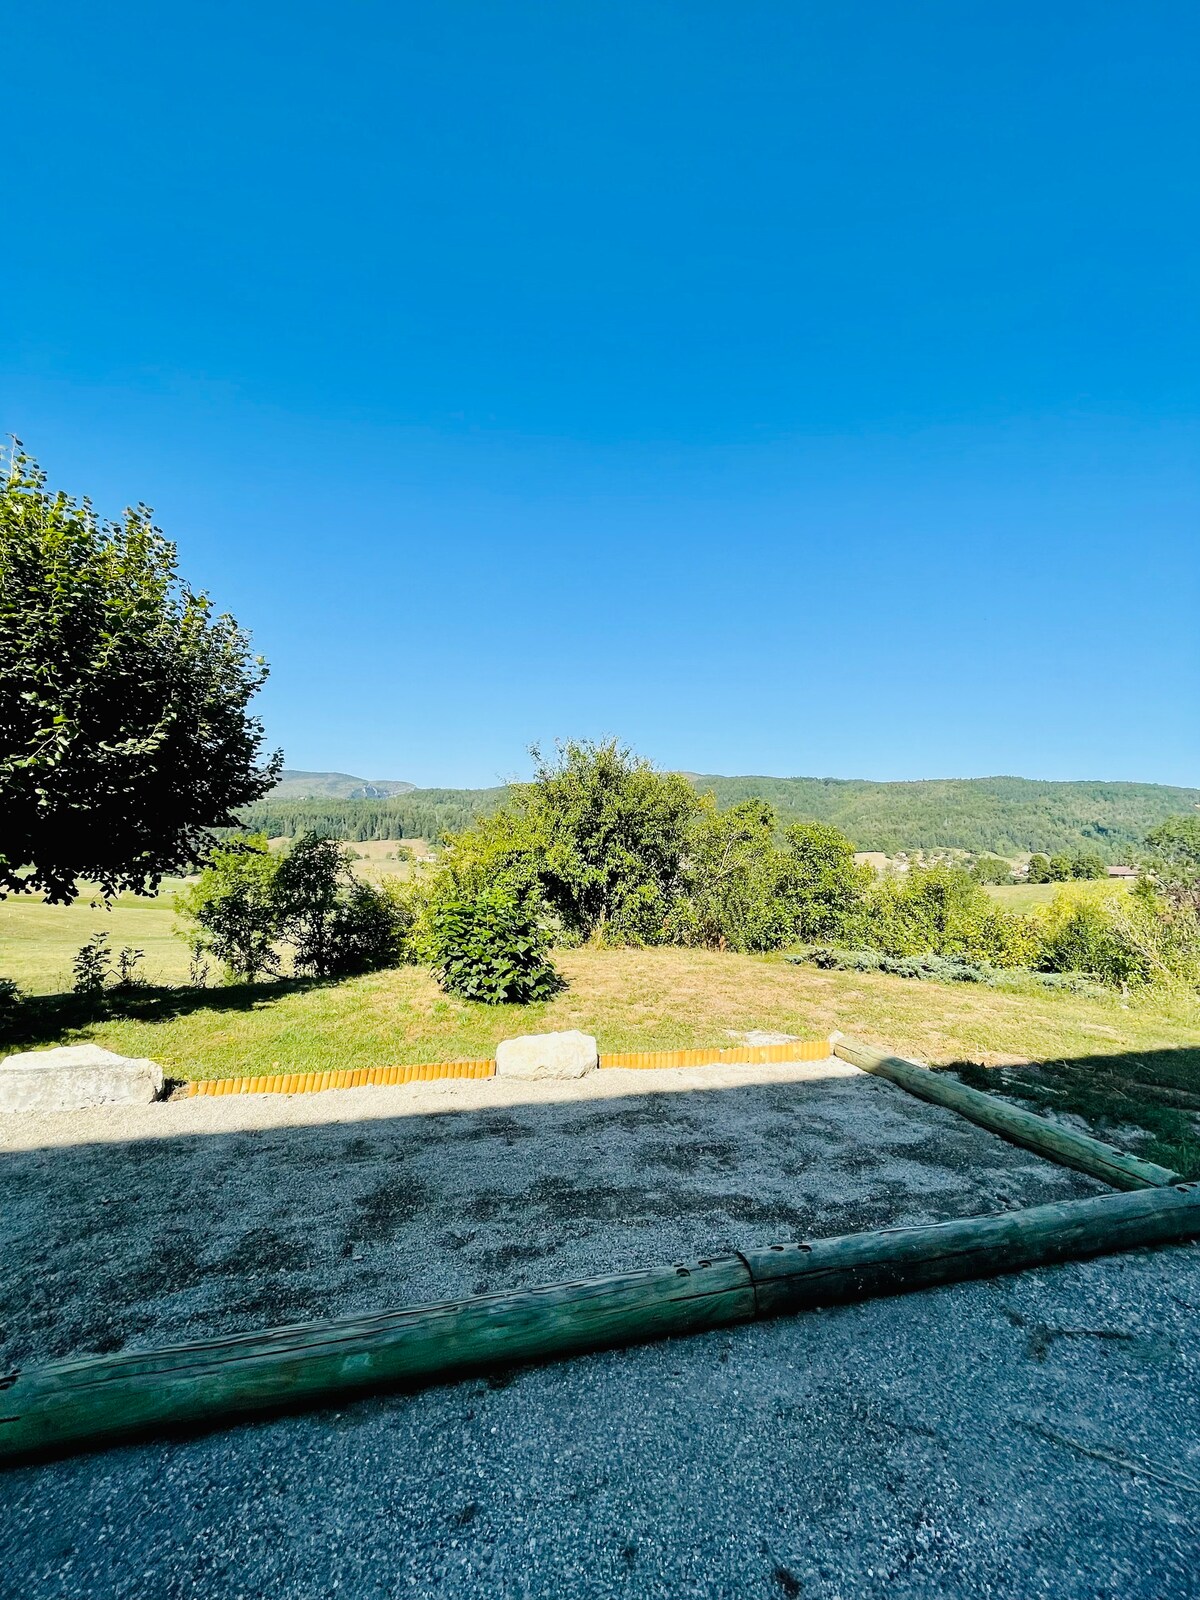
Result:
{"points": [[823, 885], [735, 882], [11, 1007], [336, 924], [369, 930], [946, 969], [1141, 937], [235, 906], [91, 967], [941, 910], [1174, 859], [490, 948], [991, 869]]}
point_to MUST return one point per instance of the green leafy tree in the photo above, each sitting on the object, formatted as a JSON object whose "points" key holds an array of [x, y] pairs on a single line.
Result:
{"points": [[1088, 865], [124, 733], [1039, 870], [335, 923], [823, 884], [599, 836], [306, 891], [235, 905], [735, 881], [991, 869], [1173, 856], [489, 947]]}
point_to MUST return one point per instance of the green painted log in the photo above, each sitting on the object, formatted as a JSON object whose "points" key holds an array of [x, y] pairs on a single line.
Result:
{"points": [[860, 1266], [73, 1404], [110, 1397], [1060, 1144]]}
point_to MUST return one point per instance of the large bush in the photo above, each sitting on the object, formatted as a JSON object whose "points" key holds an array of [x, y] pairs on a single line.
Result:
{"points": [[598, 836], [250, 904], [824, 885], [489, 947], [735, 893], [235, 908], [943, 910], [1173, 856], [1122, 939]]}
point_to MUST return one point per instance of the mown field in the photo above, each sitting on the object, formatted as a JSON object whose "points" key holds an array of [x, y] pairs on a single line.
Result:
{"points": [[1028, 896], [1136, 1064]]}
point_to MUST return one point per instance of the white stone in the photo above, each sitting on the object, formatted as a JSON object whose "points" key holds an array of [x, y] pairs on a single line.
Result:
{"points": [[75, 1077], [547, 1055]]}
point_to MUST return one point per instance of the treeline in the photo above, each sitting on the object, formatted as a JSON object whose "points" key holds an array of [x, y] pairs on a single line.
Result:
{"points": [[1006, 816], [420, 814], [603, 848], [1003, 816]]}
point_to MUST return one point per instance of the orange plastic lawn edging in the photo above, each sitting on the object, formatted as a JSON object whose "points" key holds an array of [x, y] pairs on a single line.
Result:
{"points": [[356, 1078], [430, 1072], [751, 1055]]}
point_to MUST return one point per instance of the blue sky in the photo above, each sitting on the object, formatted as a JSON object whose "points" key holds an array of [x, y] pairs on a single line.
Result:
{"points": [[785, 388]]}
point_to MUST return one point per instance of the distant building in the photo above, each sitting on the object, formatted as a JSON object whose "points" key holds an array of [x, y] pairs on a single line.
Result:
{"points": [[1122, 872]]}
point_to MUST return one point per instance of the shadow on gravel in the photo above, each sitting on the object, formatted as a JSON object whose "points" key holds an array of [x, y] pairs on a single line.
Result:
{"points": [[191, 1220], [1154, 1091]]}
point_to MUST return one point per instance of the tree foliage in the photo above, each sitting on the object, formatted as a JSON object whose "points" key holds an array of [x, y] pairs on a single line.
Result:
{"points": [[598, 835], [991, 869], [251, 906], [733, 881], [124, 733], [234, 905], [1173, 856], [615, 851]]}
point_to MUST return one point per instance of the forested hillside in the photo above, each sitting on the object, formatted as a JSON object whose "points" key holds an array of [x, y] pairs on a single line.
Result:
{"points": [[1005, 815], [419, 814]]}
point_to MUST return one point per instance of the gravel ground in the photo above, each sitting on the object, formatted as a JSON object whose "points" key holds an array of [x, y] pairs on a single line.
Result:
{"points": [[1033, 1435]]}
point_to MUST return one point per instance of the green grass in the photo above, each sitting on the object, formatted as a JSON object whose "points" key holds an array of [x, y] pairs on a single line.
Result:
{"points": [[38, 942], [1028, 896], [1116, 1065]]}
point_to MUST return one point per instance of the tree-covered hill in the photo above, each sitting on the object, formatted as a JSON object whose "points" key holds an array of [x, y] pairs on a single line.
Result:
{"points": [[418, 814], [1005, 815]]}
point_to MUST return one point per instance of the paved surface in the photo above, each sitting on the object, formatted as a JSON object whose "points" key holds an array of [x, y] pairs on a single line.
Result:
{"points": [[1033, 1435]]}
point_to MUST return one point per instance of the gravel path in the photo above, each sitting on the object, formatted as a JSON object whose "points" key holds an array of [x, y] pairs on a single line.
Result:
{"points": [[1034, 1435]]}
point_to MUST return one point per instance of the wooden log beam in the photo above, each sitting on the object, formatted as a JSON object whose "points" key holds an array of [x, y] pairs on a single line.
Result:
{"points": [[1064, 1145], [77, 1404], [861, 1266]]}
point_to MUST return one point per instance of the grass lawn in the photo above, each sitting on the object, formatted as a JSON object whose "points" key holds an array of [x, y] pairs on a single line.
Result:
{"points": [[1133, 1066], [38, 942]]}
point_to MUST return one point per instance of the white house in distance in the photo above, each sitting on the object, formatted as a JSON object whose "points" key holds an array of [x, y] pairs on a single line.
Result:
{"points": [[1122, 872]]}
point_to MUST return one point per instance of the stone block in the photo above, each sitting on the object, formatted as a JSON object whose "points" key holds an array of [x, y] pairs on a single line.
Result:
{"points": [[76, 1077], [547, 1055]]}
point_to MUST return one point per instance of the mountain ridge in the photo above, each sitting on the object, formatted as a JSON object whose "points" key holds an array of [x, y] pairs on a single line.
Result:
{"points": [[1007, 815]]}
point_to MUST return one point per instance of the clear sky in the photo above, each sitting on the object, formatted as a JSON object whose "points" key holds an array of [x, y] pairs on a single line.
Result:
{"points": [[783, 387]]}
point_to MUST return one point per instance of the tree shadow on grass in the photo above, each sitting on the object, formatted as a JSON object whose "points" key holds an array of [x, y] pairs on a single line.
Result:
{"points": [[48, 1018], [1157, 1091]]}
